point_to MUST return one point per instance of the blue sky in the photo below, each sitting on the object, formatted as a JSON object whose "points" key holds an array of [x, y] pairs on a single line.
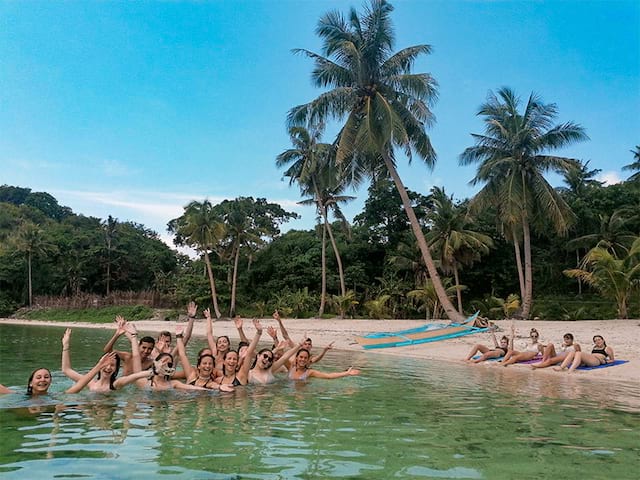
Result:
{"points": [[135, 108]]}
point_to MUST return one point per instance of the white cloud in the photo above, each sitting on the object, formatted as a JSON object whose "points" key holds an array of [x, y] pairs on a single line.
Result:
{"points": [[115, 168], [609, 178]]}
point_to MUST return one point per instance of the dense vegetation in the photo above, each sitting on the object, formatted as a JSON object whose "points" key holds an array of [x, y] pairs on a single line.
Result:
{"points": [[519, 247]]}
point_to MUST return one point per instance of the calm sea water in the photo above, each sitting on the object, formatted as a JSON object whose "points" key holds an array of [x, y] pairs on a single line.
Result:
{"points": [[400, 419]]}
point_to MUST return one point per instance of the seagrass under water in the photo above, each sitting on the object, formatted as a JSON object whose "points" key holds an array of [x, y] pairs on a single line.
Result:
{"points": [[401, 418]]}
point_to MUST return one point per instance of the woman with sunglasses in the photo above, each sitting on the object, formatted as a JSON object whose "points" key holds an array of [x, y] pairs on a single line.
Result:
{"points": [[600, 355], [551, 356], [300, 370], [528, 351]]}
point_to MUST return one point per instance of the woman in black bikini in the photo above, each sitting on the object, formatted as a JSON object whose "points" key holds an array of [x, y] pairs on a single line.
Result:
{"points": [[229, 369], [600, 354], [498, 351]]}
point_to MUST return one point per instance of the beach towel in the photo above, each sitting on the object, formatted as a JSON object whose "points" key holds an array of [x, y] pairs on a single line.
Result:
{"points": [[604, 365]]}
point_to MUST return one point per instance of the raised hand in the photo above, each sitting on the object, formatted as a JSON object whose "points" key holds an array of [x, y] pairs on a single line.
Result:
{"points": [[273, 333], [66, 338], [329, 347], [257, 325], [120, 324], [130, 329], [192, 309], [276, 315], [207, 313], [179, 330], [238, 322], [106, 359]]}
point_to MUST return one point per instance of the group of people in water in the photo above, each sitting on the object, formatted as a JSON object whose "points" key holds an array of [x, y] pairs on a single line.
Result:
{"points": [[567, 356], [152, 364]]}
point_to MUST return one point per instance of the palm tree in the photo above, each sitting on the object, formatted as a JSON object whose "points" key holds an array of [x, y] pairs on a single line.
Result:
{"points": [[386, 105], [200, 227], [311, 166], [616, 278], [29, 240], [634, 166], [450, 236], [580, 179], [513, 160], [614, 233]]}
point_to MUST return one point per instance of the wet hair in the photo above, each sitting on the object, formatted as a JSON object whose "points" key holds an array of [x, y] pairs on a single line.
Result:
{"points": [[206, 355], [114, 375], [150, 340], [303, 350], [165, 333], [243, 344], [568, 335], [599, 336], [308, 340], [29, 387]]}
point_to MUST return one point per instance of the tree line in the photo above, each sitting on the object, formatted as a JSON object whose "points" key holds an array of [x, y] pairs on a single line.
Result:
{"points": [[407, 253]]}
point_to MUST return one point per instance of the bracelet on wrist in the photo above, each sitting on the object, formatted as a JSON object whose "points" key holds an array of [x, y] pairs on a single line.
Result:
{"points": [[179, 335]]}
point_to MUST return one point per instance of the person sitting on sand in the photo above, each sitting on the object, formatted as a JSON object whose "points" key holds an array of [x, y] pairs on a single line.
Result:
{"points": [[498, 350], [528, 351], [300, 369], [145, 347], [551, 356], [600, 354]]}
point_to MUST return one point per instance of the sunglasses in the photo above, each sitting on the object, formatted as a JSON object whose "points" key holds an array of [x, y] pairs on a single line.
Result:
{"points": [[266, 356]]}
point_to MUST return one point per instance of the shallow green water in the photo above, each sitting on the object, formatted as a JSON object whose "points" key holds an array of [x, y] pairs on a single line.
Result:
{"points": [[400, 419]]}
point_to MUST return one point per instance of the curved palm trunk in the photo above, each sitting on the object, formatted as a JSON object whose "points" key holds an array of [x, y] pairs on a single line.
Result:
{"points": [[29, 280], [323, 294], [528, 279], [343, 290], [516, 246], [212, 284], [449, 309], [458, 292], [232, 308]]}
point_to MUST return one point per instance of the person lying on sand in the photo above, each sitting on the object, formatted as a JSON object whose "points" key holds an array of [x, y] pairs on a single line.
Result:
{"points": [[551, 356], [499, 350], [600, 355]]}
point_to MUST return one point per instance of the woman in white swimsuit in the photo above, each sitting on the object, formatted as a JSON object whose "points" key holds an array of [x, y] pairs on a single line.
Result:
{"points": [[551, 356]]}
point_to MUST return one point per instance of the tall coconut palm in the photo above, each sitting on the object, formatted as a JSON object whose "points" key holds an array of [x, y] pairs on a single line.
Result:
{"points": [[513, 159], [311, 165], [29, 240], [450, 236], [386, 106], [201, 228]]}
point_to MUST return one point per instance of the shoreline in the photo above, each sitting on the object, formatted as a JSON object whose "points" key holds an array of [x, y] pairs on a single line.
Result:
{"points": [[622, 335]]}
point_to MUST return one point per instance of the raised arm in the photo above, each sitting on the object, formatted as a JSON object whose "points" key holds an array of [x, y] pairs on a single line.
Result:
{"points": [[66, 357], [211, 340], [192, 310], [238, 323], [127, 379], [495, 340], [132, 334], [84, 380], [317, 358], [285, 334], [329, 376], [243, 373], [273, 333], [120, 329], [182, 354]]}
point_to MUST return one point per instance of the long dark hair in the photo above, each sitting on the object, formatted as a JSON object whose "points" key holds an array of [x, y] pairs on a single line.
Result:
{"points": [[255, 359], [114, 375], [29, 387], [224, 357]]}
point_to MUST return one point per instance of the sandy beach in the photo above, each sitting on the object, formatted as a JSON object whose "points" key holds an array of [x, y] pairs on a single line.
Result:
{"points": [[622, 335]]}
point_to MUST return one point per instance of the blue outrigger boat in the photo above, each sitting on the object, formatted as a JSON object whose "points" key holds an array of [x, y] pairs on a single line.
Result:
{"points": [[423, 334]]}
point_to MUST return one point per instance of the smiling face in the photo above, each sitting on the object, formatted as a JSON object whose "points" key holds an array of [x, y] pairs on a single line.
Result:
{"points": [[39, 382], [265, 359], [307, 344], [206, 364], [599, 341], [230, 361], [568, 339], [302, 359], [109, 368], [222, 344], [145, 349]]}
